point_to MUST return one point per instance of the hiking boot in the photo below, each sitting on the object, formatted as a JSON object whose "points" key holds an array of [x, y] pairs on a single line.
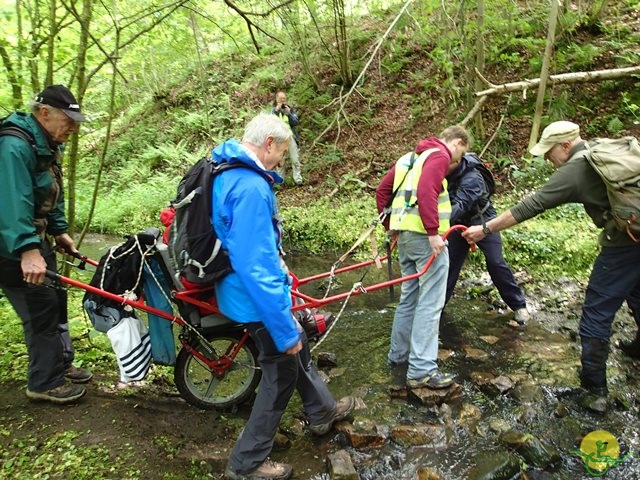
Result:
{"points": [[522, 316], [268, 470], [78, 375], [344, 407], [67, 393], [632, 348], [436, 380]]}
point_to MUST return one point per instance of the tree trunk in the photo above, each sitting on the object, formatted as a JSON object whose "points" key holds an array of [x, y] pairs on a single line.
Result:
{"points": [[16, 91], [85, 21], [53, 32], [34, 35], [479, 124], [342, 42], [105, 146], [544, 74]]}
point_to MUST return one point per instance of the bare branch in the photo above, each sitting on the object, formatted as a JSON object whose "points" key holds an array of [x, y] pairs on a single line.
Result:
{"points": [[71, 9], [564, 78], [343, 99], [492, 136], [156, 21], [474, 111], [251, 25], [213, 21]]}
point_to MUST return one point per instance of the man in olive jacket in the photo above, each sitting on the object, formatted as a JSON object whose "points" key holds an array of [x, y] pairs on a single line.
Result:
{"points": [[32, 200], [615, 276]]}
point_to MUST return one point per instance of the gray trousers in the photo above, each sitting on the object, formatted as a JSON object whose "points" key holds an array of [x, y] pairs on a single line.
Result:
{"points": [[281, 374], [294, 155], [43, 311]]}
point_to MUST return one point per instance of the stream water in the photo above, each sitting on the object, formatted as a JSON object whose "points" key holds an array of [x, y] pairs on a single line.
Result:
{"points": [[542, 399]]}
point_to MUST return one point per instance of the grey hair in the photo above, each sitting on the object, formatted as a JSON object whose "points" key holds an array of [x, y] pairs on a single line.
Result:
{"points": [[266, 125], [36, 106]]}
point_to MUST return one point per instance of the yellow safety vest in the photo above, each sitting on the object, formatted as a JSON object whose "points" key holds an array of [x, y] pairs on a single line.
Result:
{"points": [[404, 209], [285, 118]]}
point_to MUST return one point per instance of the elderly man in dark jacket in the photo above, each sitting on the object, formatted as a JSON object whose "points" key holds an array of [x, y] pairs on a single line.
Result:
{"points": [[32, 200], [471, 205]]}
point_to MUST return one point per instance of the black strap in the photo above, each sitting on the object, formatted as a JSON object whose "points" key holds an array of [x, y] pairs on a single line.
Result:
{"points": [[395, 192], [20, 133], [407, 192]]}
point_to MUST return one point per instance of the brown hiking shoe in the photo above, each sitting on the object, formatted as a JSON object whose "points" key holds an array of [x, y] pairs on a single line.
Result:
{"points": [[344, 407], [268, 470], [77, 375], [67, 393]]}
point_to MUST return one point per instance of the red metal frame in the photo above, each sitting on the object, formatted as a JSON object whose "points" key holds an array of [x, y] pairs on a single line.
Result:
{"points": [[219, 365]]}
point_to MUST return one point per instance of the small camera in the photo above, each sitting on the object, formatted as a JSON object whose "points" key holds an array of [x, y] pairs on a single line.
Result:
{"points": [[284, 105]]}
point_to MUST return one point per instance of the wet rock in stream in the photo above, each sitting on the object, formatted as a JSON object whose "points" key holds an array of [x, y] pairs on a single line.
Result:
{"points": [[341, 467], [536, 452], [497, 465], [363, 433]]}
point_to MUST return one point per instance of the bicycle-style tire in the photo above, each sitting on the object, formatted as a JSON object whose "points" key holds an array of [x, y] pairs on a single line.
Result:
{"points": [[200, 387]]}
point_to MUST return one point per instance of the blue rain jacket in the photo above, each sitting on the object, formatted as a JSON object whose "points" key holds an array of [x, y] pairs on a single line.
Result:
{"points": [[245, 218]]}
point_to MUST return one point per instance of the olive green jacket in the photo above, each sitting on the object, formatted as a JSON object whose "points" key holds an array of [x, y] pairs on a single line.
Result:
{"points": [[31, 195], [575, 182]]}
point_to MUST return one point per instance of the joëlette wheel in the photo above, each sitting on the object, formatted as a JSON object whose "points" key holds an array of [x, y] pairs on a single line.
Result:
{"points": [[202, 388]]}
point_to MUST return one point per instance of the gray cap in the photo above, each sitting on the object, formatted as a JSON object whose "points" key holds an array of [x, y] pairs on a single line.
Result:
{"points": [[556, 132]]}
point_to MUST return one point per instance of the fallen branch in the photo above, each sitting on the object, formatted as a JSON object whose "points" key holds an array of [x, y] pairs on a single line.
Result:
{"points": [[564, 78], [474, 111], [492, 136]]}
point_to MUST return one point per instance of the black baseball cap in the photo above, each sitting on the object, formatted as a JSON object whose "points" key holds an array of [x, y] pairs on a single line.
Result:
{"points": [[59, 96]]}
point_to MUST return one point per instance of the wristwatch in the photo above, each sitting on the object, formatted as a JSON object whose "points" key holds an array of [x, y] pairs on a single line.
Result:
{"points": [[485, 229]]}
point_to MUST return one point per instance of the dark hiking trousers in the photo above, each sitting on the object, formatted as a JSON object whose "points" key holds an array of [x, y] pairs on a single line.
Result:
{"points": [[500, 273], [281, 374], [615, 278], [43, 311]]}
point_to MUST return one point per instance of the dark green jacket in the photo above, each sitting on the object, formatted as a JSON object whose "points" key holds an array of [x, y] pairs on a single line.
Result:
{"points": [[31, 196], [575, 182]]}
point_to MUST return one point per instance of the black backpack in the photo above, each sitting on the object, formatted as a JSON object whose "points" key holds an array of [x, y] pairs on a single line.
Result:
{"points": [[119, 272], [487, 176], [194, 247]]}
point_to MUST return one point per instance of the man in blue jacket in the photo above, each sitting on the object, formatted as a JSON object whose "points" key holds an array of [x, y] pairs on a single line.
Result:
{"points": [[257, 294], [32, 200], [471, 205]]}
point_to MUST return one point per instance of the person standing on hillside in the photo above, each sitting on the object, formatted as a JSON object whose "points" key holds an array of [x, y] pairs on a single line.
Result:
{"points": [[287, 113], [257, 294], [420, 209], [32, 200], [471, 205], [615, 276]]}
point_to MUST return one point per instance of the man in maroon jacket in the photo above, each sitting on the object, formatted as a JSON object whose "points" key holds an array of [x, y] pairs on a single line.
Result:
{"points": [[415, 190]]}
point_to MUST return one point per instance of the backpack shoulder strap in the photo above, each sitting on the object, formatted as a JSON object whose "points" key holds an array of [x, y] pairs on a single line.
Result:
{"points": [[20, 133]]}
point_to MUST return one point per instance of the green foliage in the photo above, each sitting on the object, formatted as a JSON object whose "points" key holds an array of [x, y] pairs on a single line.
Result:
{"points": [[615, 126], [631, 104], [330, 226], [559, 242], [560, 105], [130, 207], [532, 172], [58, 455], [578, 56]]}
